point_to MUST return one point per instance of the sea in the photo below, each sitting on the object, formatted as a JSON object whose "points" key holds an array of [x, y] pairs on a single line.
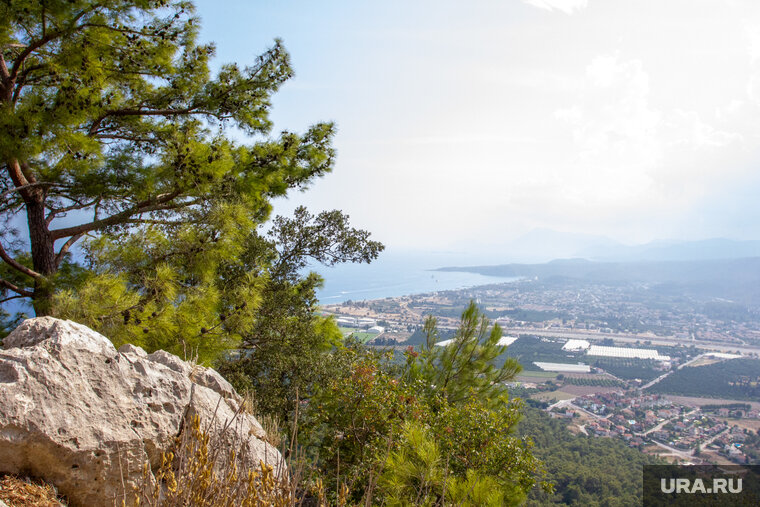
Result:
{"points": [[397, 274]]}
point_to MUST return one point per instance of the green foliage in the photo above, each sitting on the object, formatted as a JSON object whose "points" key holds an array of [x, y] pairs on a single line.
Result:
{"points": [[6, 324], [417, 474], [416, 470], [466, 367], [431, 430], [283, 353], [730, 406], [600, 382], [110, 112], [356, 414], [732, 379], [477, 436]]}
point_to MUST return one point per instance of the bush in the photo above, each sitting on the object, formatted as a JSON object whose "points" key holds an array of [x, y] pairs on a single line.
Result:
{"points": [[437, 430]]}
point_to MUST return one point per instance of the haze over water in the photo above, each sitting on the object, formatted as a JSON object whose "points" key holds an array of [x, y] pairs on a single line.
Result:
{"points": [[395, 274]]}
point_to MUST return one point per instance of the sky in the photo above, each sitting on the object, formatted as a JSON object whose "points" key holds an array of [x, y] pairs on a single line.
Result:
{"points": [[467, 124]]}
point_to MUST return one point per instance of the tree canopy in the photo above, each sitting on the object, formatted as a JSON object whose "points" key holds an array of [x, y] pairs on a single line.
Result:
{"points": [[109, 110], [116, 137], [466, 365]]}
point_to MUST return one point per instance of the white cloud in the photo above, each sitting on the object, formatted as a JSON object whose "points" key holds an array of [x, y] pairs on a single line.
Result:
{"points": [[566, 6], [614, 127], [628, 152], [752, 32], [698, 134], [459, 122]]}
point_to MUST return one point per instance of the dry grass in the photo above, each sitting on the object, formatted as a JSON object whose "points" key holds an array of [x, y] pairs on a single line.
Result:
{"points": [[202, 470], [584, 390], [201, 473], [748, 424], [271, 424], [17, 492], [553, 396]]}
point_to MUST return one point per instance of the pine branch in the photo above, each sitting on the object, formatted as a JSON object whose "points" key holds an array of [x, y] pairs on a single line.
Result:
{"points": [[16, 265], [159, 203], [65, 248], [18, 290], [79, 205], [29, 185], [17, 296], [34, 46]]}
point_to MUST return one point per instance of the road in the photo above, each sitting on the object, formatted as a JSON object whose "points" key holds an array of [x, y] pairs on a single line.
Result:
{"points": [[560, 404], [569, 404], [627, 338], [663, 423], [714, 437], [688, 455]]}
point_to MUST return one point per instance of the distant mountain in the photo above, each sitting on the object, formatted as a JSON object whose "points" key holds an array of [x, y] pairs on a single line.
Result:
{"points": [[543, 245], [734, 279], [715, 248]]}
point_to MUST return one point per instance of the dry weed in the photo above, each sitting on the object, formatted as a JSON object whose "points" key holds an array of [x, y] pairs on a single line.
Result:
{"points": [[200, 474], [17, 492]]}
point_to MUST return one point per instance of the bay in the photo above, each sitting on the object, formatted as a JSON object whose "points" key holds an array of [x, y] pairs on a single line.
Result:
{"points": [[397, 274]]}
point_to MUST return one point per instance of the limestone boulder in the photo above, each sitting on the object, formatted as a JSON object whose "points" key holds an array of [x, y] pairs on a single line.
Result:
{"points": [[85, 417]]}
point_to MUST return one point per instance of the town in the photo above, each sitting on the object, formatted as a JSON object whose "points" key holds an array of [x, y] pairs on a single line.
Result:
{"points": [[610, 359], [720, 434]]}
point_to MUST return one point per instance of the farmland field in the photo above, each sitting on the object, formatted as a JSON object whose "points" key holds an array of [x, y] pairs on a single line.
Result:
{"points": [[693, 401], [628, 368], [735, 379], [749, 424], [553, 396], [538, 374], [358, 334], [584, 390]]}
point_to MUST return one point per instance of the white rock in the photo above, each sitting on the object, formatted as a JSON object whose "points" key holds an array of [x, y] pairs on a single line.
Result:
{"points": [[82, 416]]}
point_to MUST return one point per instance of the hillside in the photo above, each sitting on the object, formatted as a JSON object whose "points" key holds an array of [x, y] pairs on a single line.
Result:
{"points": [[585, 470]]}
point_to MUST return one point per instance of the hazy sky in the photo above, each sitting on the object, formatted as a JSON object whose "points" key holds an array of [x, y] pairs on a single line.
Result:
{"points": [[486, 119]]}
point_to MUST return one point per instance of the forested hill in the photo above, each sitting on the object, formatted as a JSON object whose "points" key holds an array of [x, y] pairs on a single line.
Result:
{"points": [[586, 471], [736, 279]]}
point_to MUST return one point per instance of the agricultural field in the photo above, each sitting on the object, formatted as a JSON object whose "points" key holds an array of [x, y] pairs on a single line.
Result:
{"points": [[627, 368], [599, 381], [693, 401], [703, 361], [530, 375], [747, 424], [552, 396], [358, 334], [584, 390], [528, 349], [736, 379]]}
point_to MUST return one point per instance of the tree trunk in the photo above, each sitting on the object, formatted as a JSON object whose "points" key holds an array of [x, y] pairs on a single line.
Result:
{"points": [[43, 253]]}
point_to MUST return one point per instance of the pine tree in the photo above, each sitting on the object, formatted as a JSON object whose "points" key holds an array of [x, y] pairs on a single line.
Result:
{"points": [[116, 138], [467, 366], [110, 116]]}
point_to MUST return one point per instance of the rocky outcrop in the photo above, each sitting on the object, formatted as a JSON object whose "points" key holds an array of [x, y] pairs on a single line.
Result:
{"points": [[85, 417]]}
